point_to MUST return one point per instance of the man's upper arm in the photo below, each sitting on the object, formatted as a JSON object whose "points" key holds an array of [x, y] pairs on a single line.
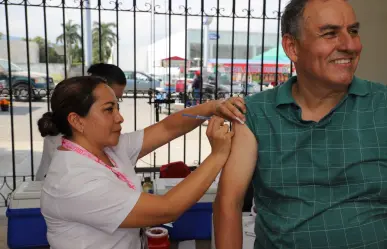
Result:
{"points": [[239, 169]]}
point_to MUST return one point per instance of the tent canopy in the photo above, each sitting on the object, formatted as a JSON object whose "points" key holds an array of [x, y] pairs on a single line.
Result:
{"points": [[174, 58], [271, 55]]}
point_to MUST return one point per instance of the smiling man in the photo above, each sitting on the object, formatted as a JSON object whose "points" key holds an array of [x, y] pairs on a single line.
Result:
{"points": [[315, 148]]}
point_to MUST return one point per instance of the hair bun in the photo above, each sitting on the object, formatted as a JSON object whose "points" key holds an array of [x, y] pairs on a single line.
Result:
{"points": [[47, 126]]}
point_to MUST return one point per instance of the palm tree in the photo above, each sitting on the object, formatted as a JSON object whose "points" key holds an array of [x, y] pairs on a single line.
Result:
{"points": [[72, 39], [42, 48], [108, 39]]}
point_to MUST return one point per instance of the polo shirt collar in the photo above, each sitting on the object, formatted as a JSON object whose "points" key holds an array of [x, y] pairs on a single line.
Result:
{"points": [[358, 87], [284, 96], [284, 92]]}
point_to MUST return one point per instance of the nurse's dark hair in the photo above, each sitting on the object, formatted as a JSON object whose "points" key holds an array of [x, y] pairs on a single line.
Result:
{"points": [[70, 95]]}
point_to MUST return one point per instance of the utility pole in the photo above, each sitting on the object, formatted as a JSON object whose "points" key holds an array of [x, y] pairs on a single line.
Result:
{"points": [[88, 35]]}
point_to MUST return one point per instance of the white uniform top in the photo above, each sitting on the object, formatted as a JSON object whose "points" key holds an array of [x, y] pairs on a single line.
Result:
{"points": [[84, 203], [51, 143]]}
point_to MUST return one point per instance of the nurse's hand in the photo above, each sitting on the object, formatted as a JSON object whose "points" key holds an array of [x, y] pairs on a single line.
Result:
{"points": [[232, 109], [220, 137]]}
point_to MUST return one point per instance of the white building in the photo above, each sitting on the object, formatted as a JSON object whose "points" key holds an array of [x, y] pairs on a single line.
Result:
{"points": [[19, 51], [193, 45]]}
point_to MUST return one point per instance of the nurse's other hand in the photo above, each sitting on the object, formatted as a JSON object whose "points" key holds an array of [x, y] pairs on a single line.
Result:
{"points": [[220, 137], [231, 109]]}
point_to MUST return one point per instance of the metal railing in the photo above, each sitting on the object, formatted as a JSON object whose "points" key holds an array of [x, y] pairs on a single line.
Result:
{"points": [[15, 93], [6, 188]]}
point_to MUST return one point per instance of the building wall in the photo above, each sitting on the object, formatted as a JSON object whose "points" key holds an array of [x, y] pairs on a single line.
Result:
{"points": [[240, 43], [372, 15], [240, 37], [161, 50], [55, 70], [19, 51], [194, 41]]}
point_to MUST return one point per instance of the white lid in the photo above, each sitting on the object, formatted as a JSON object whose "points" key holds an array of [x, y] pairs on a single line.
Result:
{"points": [[163, 185], [28, 190]]}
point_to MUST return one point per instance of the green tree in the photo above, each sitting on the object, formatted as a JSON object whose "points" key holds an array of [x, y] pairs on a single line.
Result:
{"points": [[108, 39], [53, 56], [77, 54], [72, 39], [1, 35], [42, 48]]}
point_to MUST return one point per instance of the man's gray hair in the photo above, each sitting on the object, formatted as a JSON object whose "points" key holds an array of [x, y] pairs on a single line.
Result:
{"points": [[292, 17]]}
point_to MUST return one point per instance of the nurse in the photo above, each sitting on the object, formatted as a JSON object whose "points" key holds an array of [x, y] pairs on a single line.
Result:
{"points": [[91, 197]]}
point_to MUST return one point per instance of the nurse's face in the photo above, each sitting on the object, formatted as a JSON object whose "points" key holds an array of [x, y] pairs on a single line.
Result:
{"points": [[102, 125]]}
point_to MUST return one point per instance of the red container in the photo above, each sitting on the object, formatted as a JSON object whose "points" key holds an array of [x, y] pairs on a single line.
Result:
{"points": [[158, 238], [175, 170]]}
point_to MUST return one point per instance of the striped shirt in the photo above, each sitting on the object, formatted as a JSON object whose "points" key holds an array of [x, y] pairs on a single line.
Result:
{"points": [[321, 184]]}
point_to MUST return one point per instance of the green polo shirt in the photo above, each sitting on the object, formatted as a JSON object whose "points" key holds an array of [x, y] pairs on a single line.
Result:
{"points": [[321, 184]]}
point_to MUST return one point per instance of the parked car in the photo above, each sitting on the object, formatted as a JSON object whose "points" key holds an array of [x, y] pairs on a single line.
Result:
{"points": [[179, 86], [21, 83], [223, 90], [144, 82], [167, 83], [180, 83], [223, 87]]}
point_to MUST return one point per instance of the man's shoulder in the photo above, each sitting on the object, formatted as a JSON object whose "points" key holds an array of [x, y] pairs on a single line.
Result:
{"points": [[376, 92], [375, 87], [260, 106], [266, 96], [264, 101]]}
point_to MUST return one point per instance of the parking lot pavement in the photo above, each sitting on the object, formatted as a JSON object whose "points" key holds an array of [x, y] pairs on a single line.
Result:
{"points": [[140, 118]]}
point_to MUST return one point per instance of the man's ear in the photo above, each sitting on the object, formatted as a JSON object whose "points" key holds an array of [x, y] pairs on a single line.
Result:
{"points": [[76, 122], [289, 44]]}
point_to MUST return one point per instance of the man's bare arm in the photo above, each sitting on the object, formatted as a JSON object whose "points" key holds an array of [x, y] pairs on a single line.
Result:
{"points": [[234, 181]]}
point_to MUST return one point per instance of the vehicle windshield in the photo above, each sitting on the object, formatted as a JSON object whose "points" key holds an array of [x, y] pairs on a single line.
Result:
{"points": [[14, 68]]}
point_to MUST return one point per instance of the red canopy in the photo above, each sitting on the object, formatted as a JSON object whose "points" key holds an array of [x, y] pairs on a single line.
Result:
{"points": [[174, 58]]}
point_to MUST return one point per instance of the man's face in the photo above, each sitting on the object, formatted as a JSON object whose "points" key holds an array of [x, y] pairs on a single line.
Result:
{"points": [[329, 46], [118, 89]]}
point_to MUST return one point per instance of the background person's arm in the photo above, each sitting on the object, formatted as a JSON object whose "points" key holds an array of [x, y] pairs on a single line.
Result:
{"points": [[50, 144], [234, 181]]}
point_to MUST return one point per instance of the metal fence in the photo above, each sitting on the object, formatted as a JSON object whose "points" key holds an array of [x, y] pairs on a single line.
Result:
{"points": [[237, 78]]}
